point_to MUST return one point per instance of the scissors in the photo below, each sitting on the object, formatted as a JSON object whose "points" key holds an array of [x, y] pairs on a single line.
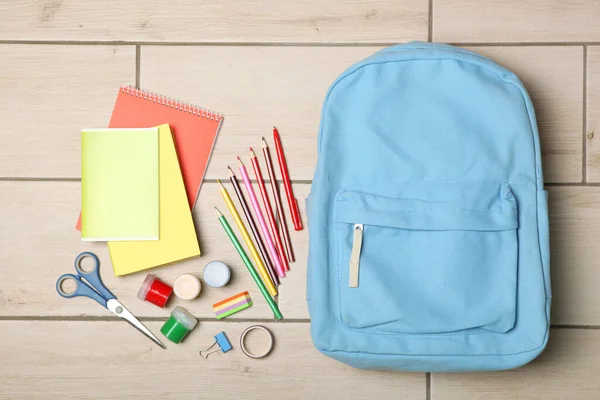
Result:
{"points": [[93, 288]]}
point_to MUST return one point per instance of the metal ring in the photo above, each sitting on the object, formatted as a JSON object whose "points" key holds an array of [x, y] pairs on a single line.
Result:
{"points": [[243, 345]]}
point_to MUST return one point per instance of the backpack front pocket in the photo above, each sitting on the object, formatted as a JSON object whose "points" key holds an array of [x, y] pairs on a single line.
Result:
{"points": [[427, 256]]}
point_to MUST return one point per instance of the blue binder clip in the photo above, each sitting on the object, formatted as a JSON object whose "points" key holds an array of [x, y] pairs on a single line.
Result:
{"points": [[222, 341]]}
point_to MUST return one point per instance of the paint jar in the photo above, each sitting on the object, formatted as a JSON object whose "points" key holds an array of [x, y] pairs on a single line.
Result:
{"points": [[179, 324], [216, 274], [187, 287], [154, 291]]}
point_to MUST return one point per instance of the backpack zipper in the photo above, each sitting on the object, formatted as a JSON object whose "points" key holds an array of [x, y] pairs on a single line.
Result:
{"points": [[355, 254]]}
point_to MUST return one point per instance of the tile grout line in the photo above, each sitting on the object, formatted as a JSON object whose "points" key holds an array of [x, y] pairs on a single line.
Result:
{"points": [[75, 318], [430, 22], [150, 319], [571, 326], [84, 318], [38, 179], [584, 113], [428, 386], [522, 44], [294, 181], [572, 184], [284, 44], [208, 180], [138, 54]]}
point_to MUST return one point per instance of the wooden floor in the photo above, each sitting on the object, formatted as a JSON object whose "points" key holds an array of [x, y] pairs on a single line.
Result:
{"points": [[261, 63]]}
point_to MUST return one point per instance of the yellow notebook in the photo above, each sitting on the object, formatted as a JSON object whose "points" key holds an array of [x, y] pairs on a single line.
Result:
{"points": [[119, 184], [178, 238]]}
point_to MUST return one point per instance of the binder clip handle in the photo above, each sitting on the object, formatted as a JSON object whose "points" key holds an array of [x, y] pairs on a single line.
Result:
{"points": [[221, 340]]}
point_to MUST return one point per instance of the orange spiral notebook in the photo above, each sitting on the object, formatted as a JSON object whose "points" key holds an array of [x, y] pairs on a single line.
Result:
{"points": [[194, 130]]}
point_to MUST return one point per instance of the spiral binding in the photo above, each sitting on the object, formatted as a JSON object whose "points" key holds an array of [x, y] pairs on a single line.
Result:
{"points": [[175, 104]]}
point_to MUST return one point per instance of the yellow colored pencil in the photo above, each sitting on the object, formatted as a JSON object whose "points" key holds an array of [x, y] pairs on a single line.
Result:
{"points": [[259, 262]]}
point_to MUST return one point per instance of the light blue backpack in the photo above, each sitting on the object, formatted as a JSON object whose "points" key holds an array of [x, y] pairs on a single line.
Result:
{"points": [[428, 219]]}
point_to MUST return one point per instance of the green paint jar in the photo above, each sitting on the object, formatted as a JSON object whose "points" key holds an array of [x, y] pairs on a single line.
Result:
{"points": [[179, 324]]}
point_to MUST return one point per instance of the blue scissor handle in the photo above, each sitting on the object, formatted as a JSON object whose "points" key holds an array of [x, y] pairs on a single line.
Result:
{"points": [[81, 289], [93, 276], [93, 279]]}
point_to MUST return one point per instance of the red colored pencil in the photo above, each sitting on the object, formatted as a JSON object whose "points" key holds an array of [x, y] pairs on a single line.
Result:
{"points": [[270, 215], [285, 175], [278, 204]]}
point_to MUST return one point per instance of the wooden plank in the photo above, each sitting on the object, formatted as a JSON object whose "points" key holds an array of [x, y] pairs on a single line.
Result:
{"points": [[553, 77], [85, 359], [575, 225], [39, 239], [566, 370], [257, 87], [469, 21], [593, 114], [215, 21], [51, 92], [241, 95]]}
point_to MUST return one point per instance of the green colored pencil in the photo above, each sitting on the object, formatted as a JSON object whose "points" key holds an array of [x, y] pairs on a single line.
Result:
{"points": [[249, 265]]}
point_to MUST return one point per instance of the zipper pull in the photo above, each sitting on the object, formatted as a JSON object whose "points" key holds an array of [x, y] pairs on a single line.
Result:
{"points": [[355, 255]]}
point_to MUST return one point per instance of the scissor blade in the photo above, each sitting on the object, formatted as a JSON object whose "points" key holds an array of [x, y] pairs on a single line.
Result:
{"points": [[120, 311]]}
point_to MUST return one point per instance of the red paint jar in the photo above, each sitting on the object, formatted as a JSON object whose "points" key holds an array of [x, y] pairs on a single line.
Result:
{"points": [[154, 291]]}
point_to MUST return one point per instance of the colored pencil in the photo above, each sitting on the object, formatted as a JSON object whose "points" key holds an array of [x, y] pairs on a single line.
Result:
{"points": [[251, 247], [278, 204], [267, 203], [248, 263], [287, 183], [257, 239], [261, 219]]}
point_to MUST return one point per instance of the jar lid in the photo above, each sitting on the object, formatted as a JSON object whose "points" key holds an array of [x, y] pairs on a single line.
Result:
{"points": [[216, 274], [187, 287], [145, 286], [184, 317]]}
